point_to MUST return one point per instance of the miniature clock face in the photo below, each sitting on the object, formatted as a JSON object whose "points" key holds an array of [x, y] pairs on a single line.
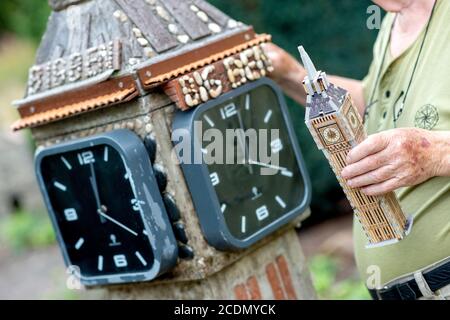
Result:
{"points": [[331, 134], [245, 203], [102, 218]]}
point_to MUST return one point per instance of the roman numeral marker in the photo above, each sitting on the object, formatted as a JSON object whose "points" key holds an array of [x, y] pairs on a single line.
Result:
{"points": [[79, 243], [141, 258], [280, 202], [243, 224], [267, 116], [66, 163], [208, 119], [60, 186], [100, 263], [105, 154], [247, 102], [223, 207], [287, 173]]}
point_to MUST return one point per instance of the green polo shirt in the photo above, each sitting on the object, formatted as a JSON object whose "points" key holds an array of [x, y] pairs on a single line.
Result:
{"points": [[428, 107]]}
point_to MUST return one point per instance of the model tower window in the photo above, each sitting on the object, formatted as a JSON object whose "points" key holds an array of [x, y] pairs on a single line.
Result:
{"points": [[337, 127]]}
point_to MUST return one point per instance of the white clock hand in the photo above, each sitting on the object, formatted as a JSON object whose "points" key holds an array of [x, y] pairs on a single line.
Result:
{"points": [[243, 144], [93, 180], [116, 222], [267, 165]]}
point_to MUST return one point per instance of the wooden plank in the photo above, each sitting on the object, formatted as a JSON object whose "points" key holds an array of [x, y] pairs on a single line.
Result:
{"points": [[150, 25], [194, 27], [214, 13], [56, 34]]}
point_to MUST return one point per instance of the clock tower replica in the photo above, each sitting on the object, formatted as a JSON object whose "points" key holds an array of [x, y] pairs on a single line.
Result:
{"points": [[337, 127]]}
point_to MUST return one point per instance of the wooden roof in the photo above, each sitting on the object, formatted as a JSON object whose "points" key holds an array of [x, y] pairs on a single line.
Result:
{"points": [[92, 48], [148, 29]]}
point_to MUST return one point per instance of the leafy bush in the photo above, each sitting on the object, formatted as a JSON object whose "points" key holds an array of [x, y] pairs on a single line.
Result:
{"points": [[324, 271], [24, 230]]}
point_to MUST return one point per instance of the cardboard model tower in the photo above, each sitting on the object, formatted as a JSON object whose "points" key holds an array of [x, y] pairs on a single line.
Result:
{"points": [[337, 127]]}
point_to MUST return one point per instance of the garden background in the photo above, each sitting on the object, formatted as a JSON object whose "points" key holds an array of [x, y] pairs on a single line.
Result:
{"points": [[336, 37]]}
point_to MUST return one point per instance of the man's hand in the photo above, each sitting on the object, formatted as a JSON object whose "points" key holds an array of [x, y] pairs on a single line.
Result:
{"points": [[397, 158], [286, 67], [288, 72]]}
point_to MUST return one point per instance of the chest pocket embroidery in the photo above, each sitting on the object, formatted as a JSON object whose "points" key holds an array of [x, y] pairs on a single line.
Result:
{"points": [[426, 117]]}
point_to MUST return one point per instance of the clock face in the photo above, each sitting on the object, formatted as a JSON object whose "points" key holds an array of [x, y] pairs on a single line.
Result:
{"points": [[249, 200], [93, 200]]}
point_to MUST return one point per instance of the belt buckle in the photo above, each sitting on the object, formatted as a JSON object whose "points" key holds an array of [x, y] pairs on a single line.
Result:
{"points": [[378, 292]]}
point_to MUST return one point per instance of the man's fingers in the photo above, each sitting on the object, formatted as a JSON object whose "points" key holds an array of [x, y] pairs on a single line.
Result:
{"points": [[373, 144], [365, 165], [381, 188], [372, 177]]}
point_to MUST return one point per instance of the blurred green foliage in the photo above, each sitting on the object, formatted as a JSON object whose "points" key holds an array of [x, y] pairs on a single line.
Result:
{"points": [[324, 271], [333, 32], [24, 230], [25, 18]]}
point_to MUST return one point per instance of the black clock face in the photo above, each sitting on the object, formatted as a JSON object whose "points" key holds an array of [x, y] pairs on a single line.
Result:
{"points": [[250, 200], [96, 211]]}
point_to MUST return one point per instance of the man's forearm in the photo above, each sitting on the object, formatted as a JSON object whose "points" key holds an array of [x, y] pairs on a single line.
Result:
{"points": [[442, 141]]}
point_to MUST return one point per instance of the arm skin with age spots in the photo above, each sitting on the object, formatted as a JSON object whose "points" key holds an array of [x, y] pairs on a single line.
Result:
{"points": [[397, 158]]}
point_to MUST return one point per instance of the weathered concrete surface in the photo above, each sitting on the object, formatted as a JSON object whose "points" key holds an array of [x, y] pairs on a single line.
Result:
{"points": [[274, 271], [18, 186]]}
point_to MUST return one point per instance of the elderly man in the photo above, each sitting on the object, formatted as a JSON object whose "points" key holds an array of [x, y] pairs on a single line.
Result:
{"points": [[405, 100]]}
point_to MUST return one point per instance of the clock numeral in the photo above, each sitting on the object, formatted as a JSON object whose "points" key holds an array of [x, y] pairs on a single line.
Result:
{"points": [[120, 261], [70, 214], [86, 157], [136, 204], [276, 145], [262, 213], [228, 111], [214, 178]]}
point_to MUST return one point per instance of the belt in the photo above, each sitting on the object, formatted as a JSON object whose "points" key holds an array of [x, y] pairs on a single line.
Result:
{"points": [[436, 278]]}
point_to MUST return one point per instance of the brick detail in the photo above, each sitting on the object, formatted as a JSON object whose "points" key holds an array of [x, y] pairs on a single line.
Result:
{"points": [[279, 278], [274, 281], [286, 277], [240, 292], [253, 288]]}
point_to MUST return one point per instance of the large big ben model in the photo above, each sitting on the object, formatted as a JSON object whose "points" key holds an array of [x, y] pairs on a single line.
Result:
{"points": [[337, 127]]}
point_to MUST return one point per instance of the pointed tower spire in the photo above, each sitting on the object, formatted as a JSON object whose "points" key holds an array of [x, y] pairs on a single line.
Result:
{"points": [[315, 81], [307, 63]]}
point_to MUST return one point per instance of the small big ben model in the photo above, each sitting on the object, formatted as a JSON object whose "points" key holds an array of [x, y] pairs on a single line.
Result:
{"points": [[337, 127]]}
